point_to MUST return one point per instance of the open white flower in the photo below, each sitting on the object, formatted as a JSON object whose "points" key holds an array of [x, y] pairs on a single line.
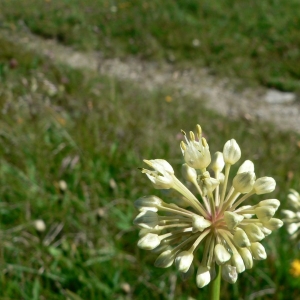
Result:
{"points": [[229, 234], [162, 176], [196, 153]]}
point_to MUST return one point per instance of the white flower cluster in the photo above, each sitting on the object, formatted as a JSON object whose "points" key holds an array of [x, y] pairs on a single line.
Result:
{"points": [[292, 217], [229, 234]]}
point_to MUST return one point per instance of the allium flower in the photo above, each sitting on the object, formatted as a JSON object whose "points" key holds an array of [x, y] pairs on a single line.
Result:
{"points": [[229, 234], [292, 217]]}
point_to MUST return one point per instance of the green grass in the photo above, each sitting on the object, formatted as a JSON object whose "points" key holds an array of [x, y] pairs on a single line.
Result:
{"points": [[93, 132], [257, 41]]}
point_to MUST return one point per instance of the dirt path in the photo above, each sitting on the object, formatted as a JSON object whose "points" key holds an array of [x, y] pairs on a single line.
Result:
{"points": [[282, 109]]}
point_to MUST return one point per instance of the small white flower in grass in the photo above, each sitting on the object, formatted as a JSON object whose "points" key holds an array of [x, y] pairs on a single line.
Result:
{"points": [[62, 185], [292, 216], [228, 233], [40, 225]]}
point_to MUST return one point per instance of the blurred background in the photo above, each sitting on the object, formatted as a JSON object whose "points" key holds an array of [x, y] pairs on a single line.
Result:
{"points": [[89, 88]]}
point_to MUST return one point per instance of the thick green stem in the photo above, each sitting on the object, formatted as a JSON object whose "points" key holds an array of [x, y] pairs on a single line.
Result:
{"points": [[215, 286]]}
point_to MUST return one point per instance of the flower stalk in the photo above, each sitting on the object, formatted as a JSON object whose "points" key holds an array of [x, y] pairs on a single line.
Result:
{"points": [[215, 286]]}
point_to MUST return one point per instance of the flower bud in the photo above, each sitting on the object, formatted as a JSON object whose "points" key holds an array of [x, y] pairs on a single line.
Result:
{"points": [[231, 152], [270, 202], [217, 164], [221, 178], [221, 254], [149, 241], [247, 257], [203, 277], [189, 174], [146, 219], [245, 207], [165, 259], [240, 238], [208, 185], [238, 262], [288, 213], [243, 182], [292, 228], [229, 273], [264, 230], [232, 219], [183, 261], [295, 193], [265, 213], [246, 166], [148, 203], [258, 251], [294, 199], [188, 274], [199, 223], [273, 224], [144, 231], [264, 185], [253, 232], [163, 246]]}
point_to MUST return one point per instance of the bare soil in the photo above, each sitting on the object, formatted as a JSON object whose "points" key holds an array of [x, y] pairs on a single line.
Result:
{"points": [[223, 95]]}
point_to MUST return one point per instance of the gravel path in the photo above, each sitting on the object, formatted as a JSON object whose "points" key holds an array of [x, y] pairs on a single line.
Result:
{"points": [[282, 109]]}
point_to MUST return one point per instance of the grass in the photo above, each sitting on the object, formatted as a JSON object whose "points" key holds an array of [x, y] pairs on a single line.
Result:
{"points": [[92, 132], [256, 41]]}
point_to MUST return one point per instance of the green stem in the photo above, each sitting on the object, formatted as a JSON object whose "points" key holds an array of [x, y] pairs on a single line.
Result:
{"points": [[215, 286]]}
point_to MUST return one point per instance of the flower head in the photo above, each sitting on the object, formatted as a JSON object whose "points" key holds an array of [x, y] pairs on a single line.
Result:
{"points": [[229, 234], [292, 217]]}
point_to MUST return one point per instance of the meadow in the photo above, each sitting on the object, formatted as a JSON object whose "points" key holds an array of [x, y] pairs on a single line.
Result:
{"points": [[71, 141]]}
